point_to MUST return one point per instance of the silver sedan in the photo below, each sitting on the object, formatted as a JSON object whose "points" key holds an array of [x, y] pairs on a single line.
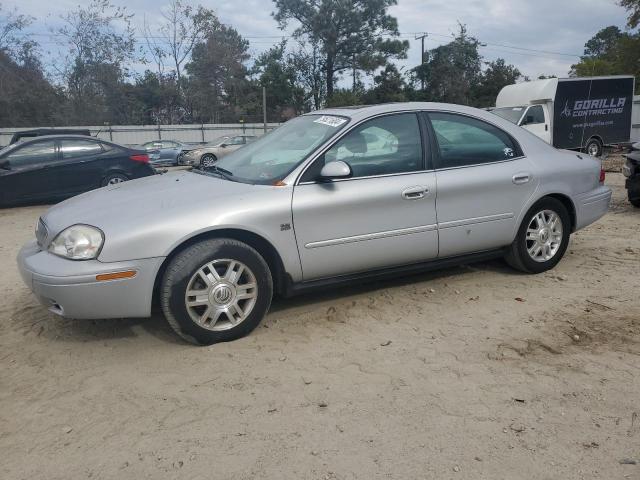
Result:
{"points": [[330, 197]]}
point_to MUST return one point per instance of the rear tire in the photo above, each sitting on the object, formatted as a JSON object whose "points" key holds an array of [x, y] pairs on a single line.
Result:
{"points": [[114, 179], [542, 239], [594, 147], [216, 291]]}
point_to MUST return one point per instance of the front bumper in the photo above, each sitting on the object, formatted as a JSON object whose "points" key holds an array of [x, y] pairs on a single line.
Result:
{"points": [[70, 289], [188, 159], [592, 205]]}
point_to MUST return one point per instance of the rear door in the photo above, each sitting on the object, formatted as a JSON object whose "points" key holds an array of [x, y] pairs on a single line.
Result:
{"points": [[80, 166], [484, 182], [381, 217], [28, 176]]}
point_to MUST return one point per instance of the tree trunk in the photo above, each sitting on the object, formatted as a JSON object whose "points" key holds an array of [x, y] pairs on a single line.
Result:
{"points": [[330, 72]]}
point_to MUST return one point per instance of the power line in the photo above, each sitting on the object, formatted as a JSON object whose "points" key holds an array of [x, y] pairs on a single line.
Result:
{"points": [[285, 36]]}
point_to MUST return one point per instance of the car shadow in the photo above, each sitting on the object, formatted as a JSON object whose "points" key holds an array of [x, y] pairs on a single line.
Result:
{"points": [[281, 304], [33, 319]]}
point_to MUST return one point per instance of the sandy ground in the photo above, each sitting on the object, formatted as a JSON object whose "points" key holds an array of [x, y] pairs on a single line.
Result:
{"points": [[469, 373]]}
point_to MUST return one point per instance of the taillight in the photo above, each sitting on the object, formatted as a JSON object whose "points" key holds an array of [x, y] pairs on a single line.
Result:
{"points": [[602, 175], [140, 157]]}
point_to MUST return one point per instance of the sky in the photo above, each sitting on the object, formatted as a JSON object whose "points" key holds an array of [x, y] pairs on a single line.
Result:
{"points": [[549, 34]]}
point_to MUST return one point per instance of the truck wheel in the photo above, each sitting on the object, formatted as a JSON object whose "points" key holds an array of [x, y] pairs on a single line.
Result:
{"points": [[542, 238], [216, 291], [635, 201], [593, 148]]}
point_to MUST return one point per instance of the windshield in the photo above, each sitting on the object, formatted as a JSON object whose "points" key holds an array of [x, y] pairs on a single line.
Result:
{"points": [[218, 141], [513, 114], [272, 157]]}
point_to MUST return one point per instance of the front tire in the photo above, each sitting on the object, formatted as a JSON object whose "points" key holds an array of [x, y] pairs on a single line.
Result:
{"points": [[216, 291], [542, 239], [208, 160]]}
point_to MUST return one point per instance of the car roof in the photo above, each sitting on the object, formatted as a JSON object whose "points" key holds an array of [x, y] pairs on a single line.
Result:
{"points": [[363, 111]]}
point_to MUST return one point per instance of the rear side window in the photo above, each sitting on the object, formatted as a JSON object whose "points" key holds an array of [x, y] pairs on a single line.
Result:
{"points": [[79, 148], [466, 141]]}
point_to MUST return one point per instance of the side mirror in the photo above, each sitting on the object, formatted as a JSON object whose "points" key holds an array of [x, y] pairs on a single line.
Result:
{"points": [[337, 169], [4, 165], [223, 145]]}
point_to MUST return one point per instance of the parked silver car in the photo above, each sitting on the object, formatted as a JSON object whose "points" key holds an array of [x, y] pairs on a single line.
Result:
{"points": [[164, 153], [329, 197], [207, 155]]}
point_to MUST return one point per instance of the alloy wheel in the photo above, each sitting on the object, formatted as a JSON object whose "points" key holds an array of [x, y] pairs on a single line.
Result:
{"points": [[116, 180], [544, 236], [221, 294]]}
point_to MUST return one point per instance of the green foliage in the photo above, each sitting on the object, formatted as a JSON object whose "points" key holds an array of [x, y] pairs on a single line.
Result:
{"points": [[27, 98], [610, 52], [218, 86], [350, 33], [633, 6], [276, 72], [388, 86], [453, 74]]}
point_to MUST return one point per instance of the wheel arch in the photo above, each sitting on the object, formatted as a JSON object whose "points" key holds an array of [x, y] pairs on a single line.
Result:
{"points": [[568, 204], [594, 137], [263, 246]]}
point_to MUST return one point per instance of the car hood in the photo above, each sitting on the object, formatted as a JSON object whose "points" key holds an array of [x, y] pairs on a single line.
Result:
{"points": [[152, 206]]}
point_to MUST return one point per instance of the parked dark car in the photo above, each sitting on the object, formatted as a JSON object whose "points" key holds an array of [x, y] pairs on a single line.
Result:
{"points": [[631, 170], [39, 132], [59, 166]]}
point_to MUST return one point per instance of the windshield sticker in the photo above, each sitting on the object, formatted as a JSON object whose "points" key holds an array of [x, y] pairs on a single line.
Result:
{"points": [[331, 121]]}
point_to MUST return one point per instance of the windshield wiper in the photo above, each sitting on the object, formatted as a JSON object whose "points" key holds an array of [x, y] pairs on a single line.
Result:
{"points": [[222, 173]]}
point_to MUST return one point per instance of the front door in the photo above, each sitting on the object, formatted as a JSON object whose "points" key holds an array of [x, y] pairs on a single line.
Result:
{"points": [[28, 175], [536, 120], [383, 216], [484, 182]]}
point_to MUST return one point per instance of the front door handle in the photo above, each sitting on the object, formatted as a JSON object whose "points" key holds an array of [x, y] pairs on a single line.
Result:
{"points": [[415, 193], [521, 178]]}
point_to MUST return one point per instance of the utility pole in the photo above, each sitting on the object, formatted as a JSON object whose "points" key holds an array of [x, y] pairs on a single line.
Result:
{"points": [[353, 61], [421, 37], [264, 108]]}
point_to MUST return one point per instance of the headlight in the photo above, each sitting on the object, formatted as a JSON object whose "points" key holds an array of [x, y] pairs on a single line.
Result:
{"points": [[78, 242]]}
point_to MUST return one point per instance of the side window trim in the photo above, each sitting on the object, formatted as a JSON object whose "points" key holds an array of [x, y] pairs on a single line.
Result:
{"points": [[319, 155], [437, 163]]}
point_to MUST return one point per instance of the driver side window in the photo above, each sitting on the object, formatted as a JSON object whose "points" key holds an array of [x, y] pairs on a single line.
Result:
{"points": [[385, 145], [33, 154]]}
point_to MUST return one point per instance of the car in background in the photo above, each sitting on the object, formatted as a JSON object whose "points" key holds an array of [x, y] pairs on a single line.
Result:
{"points": [[631, 170], [164, 153], [52, 168], [331, 197], [207, 155]]}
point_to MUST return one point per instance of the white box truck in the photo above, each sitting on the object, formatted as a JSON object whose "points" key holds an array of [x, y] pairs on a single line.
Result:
{"points": [[585, 113]]}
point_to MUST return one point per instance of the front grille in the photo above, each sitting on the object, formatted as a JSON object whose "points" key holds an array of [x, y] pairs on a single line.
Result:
{"points": [[42, 232]]}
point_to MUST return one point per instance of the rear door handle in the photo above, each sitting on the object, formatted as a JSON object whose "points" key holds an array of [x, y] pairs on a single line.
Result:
{"points": [[520, 178], [415, 193]]}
